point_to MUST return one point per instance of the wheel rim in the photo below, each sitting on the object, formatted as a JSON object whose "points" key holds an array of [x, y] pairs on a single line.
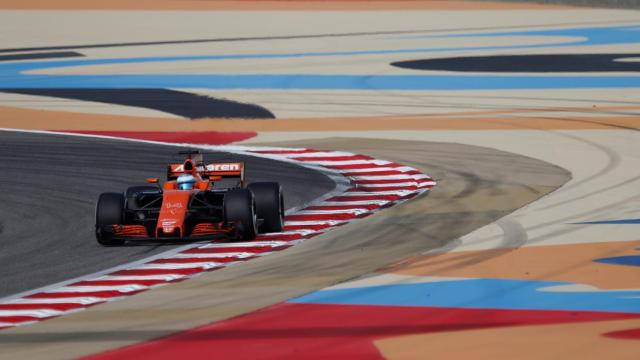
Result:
{"points": [[281, 209], [254, 215]]}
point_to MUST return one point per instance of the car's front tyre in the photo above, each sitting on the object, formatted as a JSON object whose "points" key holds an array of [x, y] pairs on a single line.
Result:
{"points": [[109, 211], [240, 210], [269, 205]]}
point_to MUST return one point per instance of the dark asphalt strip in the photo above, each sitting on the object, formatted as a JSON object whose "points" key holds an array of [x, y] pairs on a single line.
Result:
{"points": [[39, 56], [48, 188], [189, 105], [542, 63]]}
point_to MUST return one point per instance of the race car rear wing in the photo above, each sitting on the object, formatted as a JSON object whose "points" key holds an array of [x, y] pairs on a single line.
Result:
{"points": [[225, 175], [231, 173]]}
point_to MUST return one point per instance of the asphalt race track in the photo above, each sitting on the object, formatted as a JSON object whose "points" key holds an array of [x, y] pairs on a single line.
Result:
{"points": [[51, 183]]}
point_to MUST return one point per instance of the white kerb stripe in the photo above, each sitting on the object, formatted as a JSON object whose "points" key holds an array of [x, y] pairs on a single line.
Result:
{"points": [[388, 185], [88, 300], [406, 168], [374, 193], [317, 154], [292, 232], [384, 177], [175, 266], [315, 222], [237, 255], [6, 324], [371, 169], [355, 203], [348, 162], [39, 313], [120, 288], [391, 177], [244, 244], [169, 277], [356, 211]]}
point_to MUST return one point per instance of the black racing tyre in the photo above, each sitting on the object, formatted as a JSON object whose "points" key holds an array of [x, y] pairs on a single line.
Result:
{"points": [[240, 209], [109, 211], [269, 205]]}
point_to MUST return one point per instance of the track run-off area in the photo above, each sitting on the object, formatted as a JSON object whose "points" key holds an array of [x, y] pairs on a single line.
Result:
{"points": [[525, 115]]}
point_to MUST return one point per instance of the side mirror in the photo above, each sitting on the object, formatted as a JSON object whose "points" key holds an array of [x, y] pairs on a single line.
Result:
{"points": [[152, 180]]}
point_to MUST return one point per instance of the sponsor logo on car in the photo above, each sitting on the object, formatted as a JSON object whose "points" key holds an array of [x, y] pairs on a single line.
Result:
{"points": [[224, 167], [173, 207], [168, 225]]}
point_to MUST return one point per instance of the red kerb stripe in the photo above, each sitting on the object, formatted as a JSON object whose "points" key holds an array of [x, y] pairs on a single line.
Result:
{"points": [[279, 237], [320, 217], [198, 260], [306, 227], [248, 249], [136, 272], [334, 158], [100, 294], [59, 307], [344, 207], [364, 198], [389, 181], [303, 151], [118, 282], [21, 319]]}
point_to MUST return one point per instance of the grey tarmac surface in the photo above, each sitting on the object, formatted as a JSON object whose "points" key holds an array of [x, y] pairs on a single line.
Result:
{"points": [[48, 188], [476, 186]]}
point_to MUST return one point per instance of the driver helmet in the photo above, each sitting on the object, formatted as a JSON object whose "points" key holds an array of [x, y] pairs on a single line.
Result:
{"points": [[186, 181]]}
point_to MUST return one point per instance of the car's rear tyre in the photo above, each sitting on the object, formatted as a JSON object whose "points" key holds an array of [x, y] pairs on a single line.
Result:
{"points": [[269, 205], [240, 209], [109, 211]]}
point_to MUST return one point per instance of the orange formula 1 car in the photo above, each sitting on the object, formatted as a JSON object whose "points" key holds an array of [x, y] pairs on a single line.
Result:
{"points": [[196, 202]]}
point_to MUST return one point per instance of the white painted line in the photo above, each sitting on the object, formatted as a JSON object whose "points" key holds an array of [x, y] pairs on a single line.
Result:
{"points": [[371, 169], [349, 162], [238, 255], [318, 154], [81, 289], [356, 203], [315, 222], [203, 265], [6, 324], [40, 313], [356, 211], [142, 277], [389, 177], [403, 184], [381, 193], [72, 300], [287, 233], [244, 244]]}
